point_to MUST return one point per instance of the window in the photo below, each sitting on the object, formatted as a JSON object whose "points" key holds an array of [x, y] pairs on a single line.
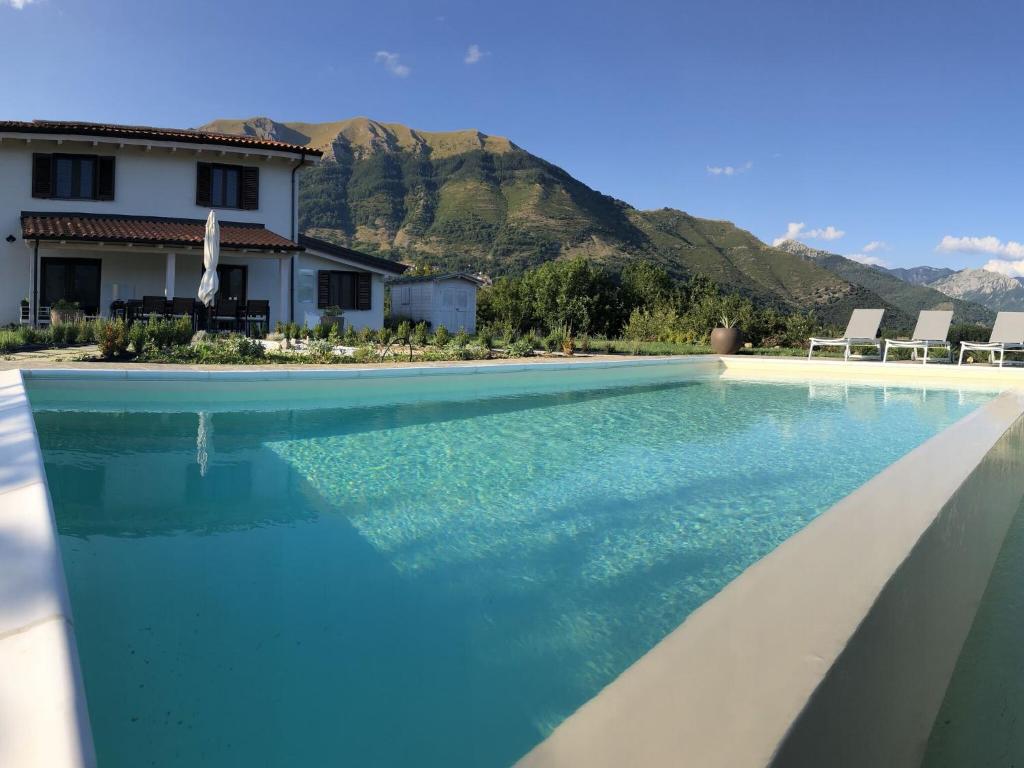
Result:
{"points": [[307, 286], [70, 280], [403, 295], [227, 186], [73, 177], [348, 290]]}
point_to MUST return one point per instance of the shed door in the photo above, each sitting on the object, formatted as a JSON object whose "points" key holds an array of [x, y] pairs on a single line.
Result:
{"points": [[454, 308]]}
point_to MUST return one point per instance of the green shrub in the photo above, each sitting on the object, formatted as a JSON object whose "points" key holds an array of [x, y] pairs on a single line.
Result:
{"points": [[404, 331], [366, 335], [420, 334], [967, 332], [137, 336], [112, 338], [460, 339], [87, 332], [8, 342], [320, 351], [350, 338], [365, 354], [441, 336], [520, 348]]}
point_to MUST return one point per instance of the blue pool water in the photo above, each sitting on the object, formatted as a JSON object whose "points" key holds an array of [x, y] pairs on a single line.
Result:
{"points": [[438, 581]]}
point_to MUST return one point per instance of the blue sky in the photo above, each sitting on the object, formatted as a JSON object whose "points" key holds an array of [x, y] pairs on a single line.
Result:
{"points": [[896, 123]]}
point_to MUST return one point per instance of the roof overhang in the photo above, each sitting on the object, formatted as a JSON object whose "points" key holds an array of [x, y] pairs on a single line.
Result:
{"points": [[147, 139], [148, 231], [342, 255]]}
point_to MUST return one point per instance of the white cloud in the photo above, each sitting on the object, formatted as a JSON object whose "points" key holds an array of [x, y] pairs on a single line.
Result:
{"points": [[864, 258], [796, 230], [392, 64], [875, 245], [16, 4], [730, 170], [828, 233], [990, 245], [474, 54], [793, 230], [1004, 267]]}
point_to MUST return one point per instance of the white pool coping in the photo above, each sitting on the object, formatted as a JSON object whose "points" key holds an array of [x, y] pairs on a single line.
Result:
{"points": [[673, 702], [44, 720]]}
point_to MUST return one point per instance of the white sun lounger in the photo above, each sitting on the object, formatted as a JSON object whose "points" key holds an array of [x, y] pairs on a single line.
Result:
{"points": [[861, 331], [1007, 336], [931, 332]]}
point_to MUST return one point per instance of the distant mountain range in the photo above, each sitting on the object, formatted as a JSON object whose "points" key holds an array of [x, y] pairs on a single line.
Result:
{"points": [[902, 299], [467, 200], [991, 289], [920, 275]]}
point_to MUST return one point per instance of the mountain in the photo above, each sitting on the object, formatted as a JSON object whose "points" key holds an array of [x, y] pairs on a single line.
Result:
{"points": [[467, 200], [905, 299], [919, 275], [991, 289]]}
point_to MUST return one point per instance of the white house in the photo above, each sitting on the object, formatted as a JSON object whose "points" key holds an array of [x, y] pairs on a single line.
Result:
{"points": [[98, 214], [329, 275], [448, 300]]}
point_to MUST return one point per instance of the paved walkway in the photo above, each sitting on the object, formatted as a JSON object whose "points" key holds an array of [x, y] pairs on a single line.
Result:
{"points": [[71, 358]]}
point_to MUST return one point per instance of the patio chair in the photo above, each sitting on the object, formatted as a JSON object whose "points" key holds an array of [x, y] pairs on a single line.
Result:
{"points": [[257, 312], [226, 311], [1007, 336], [931, 332], [154, 305], [861, 331]]}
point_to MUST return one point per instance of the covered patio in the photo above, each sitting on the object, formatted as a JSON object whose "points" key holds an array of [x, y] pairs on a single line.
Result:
{"points": [[134, 266]]}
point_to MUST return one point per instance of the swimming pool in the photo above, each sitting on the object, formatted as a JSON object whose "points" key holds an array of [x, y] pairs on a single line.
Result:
{"points": [[413, 572]]}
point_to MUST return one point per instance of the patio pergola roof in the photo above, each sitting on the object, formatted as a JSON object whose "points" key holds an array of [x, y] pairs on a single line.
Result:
{"points": [[147, 230]]}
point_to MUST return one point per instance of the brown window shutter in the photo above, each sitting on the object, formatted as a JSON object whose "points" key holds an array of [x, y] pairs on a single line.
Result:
{"points": [[105, 179], [203, 184], [363, 290], [42, 175], [250, 188], [323, 288]]}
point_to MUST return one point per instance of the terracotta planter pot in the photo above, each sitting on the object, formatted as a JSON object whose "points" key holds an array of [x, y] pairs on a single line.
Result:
{"points": [[726, 341], [58, 316]]}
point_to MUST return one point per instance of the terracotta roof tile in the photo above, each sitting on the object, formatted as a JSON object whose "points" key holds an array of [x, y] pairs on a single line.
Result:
{"points": [[145, 132], [147, 230]]}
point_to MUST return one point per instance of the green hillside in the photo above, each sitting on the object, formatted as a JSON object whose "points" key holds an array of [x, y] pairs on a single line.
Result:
{"points": [[466, 200], [907, 298]]}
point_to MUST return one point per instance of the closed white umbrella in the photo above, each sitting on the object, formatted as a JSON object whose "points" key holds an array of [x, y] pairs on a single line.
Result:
{"points": [[211, 253]]}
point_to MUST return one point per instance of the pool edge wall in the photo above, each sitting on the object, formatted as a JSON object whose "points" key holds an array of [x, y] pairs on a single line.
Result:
{"points": [[44, 720], [837, 647]]}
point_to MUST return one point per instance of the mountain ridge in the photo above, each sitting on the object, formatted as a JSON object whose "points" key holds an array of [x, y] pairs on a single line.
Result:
{"points": [[468, 200], [908, 298]]}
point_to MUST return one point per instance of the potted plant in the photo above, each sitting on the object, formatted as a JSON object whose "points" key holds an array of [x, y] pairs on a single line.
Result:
{"points": [[727, 338], [64, 311], [334, 315]]}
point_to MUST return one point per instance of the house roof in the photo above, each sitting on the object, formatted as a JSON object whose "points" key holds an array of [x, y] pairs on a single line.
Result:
{"points": [[435, 278], [340, 251], [147, 230], [148, 133]]}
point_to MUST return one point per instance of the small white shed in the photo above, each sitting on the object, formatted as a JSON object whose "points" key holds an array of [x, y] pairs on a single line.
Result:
{"points": [[448, 300]]}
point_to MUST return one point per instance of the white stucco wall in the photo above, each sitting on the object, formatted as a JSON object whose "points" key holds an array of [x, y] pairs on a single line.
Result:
{"points": [[305, 302], [157, 182], [425, 301]]}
